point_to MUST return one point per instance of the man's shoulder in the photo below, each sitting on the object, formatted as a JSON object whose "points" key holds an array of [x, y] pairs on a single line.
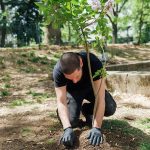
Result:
{"points": [[58, 77], [83, 54], [57, 68]]}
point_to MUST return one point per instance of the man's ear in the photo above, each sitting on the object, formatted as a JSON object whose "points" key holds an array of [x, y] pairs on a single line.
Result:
{"points": [[81, 62]]}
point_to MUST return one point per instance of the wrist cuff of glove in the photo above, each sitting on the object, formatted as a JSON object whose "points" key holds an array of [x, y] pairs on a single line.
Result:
{"points": [[97, 128], [67, 128]]}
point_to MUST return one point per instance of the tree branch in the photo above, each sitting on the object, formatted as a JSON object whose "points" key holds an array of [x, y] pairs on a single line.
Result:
{"points": [[122, 5], [110, 18]]}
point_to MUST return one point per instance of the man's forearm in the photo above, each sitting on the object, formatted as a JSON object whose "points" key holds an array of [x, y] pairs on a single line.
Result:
{"points": [[99, 114], [64, 115], [100, 102]]}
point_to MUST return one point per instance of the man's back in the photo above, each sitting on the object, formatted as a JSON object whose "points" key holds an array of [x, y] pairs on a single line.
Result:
{"points": [[60, 80]]}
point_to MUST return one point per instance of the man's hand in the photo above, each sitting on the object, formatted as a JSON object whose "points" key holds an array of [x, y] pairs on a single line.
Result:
{"points": [[68, 138], [95, 136]]}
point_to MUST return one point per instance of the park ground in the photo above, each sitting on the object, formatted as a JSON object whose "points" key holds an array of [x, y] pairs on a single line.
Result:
{"points": [[28, 119]]}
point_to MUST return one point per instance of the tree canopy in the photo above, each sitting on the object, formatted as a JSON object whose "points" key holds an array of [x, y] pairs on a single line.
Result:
{"points": [[24, 19]]}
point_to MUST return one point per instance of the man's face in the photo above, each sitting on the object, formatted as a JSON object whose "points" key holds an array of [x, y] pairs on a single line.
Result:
{"points": [[75, 76]]}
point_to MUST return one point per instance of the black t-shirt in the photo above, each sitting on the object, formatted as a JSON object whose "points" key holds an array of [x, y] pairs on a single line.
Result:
{"points": [[60, 80]]}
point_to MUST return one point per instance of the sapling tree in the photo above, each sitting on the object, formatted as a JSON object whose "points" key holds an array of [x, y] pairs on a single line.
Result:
{"points": [[87, 17]]}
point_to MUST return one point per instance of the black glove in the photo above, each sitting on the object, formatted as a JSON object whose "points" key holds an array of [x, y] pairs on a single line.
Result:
{"points": [[68, 138], [95, 136]]}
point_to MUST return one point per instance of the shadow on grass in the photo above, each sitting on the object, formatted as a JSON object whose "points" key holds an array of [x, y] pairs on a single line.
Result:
{"points": [[120, 133]]}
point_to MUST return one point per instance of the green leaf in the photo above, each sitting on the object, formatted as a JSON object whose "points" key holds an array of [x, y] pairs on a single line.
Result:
{"points": [[101, 72]]}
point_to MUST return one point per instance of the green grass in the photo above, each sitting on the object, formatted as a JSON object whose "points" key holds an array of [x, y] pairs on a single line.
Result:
{"points": [[145, 145], [122, 125], [19, 102], [53, 115], [38, 94], [29, 69], [6, 78], [57, 55], [25, 131], [4, 92], [35, 63], [52, 63], [145, 121], [44, 62], [34, 59], [31, 54], [40, 97], [110, 124], [24, 54], [7, 86], [51, 141], [2, 62], [20, 62], [128, 131], [55, 126]]}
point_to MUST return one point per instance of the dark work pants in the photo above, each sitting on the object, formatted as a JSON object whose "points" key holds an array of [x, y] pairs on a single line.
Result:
{"points": [[75, 105]]}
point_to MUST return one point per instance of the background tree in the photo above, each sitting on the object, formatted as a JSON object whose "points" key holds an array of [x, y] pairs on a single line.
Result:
{"points": [[3, 22], [26, 22], [54, 34], [146, 33], [141, 19], [119, 4], [125, 26], [21, 20]]}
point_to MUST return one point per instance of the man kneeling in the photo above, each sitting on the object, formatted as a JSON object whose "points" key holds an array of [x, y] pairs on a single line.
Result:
{"points": [[72, 85]]}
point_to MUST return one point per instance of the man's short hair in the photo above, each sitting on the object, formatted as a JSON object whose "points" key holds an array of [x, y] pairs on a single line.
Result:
{"points": [[69, 62]]}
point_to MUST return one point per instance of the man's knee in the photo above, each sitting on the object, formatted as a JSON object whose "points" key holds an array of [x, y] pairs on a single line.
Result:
{"points": [[110, 105], [110, 109]]}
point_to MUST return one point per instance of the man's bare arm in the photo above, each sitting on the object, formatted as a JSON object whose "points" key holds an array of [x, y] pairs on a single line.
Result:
{"points": [[101, 102], [62, 106]]}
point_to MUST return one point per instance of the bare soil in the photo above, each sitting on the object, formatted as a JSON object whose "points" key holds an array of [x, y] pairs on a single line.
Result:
{"points": [[33, 125]]}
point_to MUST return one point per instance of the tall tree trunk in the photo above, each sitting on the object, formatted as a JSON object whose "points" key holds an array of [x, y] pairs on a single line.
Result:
{"points": [[3, 32], [58, 37], [140, 25], [128, 34], [114, 28], [46, 34], [115, 33], [54, 35], [114, 23]]}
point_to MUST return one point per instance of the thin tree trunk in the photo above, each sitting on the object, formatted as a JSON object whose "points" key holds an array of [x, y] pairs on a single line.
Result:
{"points": [[115, 33], [114, 28], [2, 44], [140, 25], [46, 34]]}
